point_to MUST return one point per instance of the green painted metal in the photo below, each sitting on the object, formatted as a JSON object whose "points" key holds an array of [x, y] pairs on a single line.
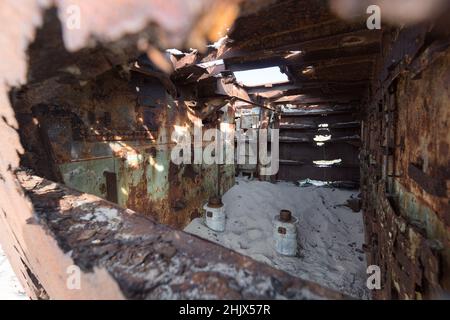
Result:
{"points": [[87, 176], [420, 214]]}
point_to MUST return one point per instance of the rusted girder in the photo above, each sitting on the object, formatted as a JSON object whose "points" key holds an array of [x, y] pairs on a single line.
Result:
{"points": [[235, 91], [227, 88], [314, 99]]}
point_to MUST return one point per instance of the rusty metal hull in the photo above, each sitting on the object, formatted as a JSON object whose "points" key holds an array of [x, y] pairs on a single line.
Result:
{"points": [[405, 175]]}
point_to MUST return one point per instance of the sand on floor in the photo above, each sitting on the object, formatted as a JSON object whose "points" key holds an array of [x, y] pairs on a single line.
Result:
{"points": [[330, 235], [10, 288]]}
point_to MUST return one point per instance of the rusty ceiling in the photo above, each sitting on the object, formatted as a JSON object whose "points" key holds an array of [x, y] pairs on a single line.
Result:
{"points": [[326, 59]]}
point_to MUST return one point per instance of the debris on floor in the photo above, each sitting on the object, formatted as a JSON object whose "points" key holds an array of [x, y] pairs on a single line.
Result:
{"points": [[330, 234], [10, 288]]}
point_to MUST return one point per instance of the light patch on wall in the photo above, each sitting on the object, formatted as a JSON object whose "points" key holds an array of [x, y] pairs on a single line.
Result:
{"points": [[322, 138], [134, 160], [181, 129], [154, 164], [180, 133], [124, 191], [226, 128], [327, 163], [259, 77]]}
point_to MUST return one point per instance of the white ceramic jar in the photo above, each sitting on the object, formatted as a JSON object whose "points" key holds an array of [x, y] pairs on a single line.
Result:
{"points": [[215, 215], [285, 233]]}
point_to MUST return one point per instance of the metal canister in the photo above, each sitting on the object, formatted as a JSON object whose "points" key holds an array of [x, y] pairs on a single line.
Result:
{"points": [[215, 215], [285, 233]]}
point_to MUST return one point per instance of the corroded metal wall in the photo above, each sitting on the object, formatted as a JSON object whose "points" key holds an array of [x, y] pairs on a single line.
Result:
{"points": [[405, 166], [33, 253], [118, 138], [301, 145]]}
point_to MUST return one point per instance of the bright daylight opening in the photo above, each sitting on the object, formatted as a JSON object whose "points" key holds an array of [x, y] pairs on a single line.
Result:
{"points": [[259, 77], [322, 138], [327, 163]]}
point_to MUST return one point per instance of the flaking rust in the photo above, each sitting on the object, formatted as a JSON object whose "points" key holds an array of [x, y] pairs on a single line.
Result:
{"points": [[405, 172], [149, 260], [114, 140]]}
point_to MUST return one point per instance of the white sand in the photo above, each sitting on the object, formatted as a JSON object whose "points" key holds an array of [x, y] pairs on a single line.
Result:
{"points": [[10, 288], [330, 234]]}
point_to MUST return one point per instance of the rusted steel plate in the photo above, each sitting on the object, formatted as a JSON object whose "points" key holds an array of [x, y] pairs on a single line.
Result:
{"points": [[407, 232], [311, 54], [303, 20], [409, 261], [98, 234], [231, 90], [436, 50], [436, 186]]}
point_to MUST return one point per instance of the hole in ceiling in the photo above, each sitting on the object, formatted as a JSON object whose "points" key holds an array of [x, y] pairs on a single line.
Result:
{"points": [[259, 77]]}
